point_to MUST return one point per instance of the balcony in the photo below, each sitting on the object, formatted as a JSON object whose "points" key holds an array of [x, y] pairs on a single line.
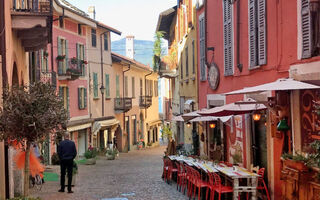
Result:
{"points": [[122, 104], [32, 19], [48, 77], [145, 101], [70, 69]]}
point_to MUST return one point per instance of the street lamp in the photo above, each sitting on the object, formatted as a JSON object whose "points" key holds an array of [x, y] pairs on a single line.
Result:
{"points": [[102, 89], [188, 124], [256, 116], [212, 125]]}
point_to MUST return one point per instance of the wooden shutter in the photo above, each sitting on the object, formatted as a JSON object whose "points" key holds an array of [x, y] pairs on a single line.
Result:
{"points": [[181, 63], [95, 85], [228, 42], [262, 43], [79, 98], [85, 97], [202, 34], [151, 88], [78, 55], [117, 86], [68, 101], [252, 34], [60, 92], [107, 86], [84, 58], [67, 54], [60, 64], [306, 29], [187, 61], [133, 88]]}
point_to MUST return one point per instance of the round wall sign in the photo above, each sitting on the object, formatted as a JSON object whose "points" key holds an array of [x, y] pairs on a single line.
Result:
{"points": [[213, 76]]}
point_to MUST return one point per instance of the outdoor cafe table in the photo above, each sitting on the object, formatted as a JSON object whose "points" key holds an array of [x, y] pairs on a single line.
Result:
{"points": [[207, 167], [236, 175]]}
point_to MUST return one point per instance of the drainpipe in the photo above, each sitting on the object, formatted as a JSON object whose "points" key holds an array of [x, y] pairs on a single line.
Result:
{"points": [[205, 31], [239, 65], [124, 113], [145, 92], [102, 87]]}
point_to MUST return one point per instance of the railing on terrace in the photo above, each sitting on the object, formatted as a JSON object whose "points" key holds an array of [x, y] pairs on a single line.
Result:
{"points": [[47, 77], [122, 104], [32, 6], [145, 101], [71, 67]]}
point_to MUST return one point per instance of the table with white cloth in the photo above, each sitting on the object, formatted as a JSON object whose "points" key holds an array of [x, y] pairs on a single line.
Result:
{"points": [[236, 173]]}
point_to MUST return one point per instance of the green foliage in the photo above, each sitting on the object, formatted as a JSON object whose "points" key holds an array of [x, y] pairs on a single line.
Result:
{"points": [[157, 50], [298, 157], [55, 159], [112, 152], [166, 131], [25, 198], [236, 158], [90, 153], [75, 168], [30, 113]]}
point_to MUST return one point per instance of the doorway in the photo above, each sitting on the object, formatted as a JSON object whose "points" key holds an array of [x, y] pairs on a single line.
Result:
{"points": [[82, 142]]}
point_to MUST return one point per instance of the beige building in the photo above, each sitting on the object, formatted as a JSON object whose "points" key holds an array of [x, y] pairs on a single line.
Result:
{"points": [[138, 104], [101, 91]]}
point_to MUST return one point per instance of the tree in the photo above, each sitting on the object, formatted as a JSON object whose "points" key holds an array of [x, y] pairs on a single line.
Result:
{"points": [[28, 115], [157, 50]]}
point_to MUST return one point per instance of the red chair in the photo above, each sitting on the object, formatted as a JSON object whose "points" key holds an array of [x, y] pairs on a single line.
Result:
{"points": [[165, 170], [211, 185], [219, 188], [261, 184], [181, 175], [185, 178], [198, 183], [171, 169], [190, 180]]}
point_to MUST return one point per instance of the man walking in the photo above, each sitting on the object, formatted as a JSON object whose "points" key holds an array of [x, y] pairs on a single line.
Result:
{"points": [[67, 152]]}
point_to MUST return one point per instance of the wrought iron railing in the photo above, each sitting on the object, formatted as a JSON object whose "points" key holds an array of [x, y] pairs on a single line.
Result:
{"points": [[123, 104], [71, 67], [47, 77], [32, 6], [145, 101]]}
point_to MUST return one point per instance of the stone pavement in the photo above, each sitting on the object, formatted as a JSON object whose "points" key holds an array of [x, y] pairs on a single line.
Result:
{"points": [[134, 175]]}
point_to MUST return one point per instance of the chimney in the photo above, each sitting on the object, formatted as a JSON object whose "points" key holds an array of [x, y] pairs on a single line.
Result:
{"points": [[129, 46]]}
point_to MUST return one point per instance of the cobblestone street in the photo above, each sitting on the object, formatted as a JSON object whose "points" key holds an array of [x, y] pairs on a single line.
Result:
{"points": [[133, 175]]}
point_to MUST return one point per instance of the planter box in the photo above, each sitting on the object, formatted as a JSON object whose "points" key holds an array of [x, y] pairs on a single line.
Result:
{"points": [[91, 161], [73, 183], [295, 165], [110, 157]]}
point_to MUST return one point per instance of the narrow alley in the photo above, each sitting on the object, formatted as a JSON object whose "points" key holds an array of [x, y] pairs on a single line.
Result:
{"points": [[133, 175]]}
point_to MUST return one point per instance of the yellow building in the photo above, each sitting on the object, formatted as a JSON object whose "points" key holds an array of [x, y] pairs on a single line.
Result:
{"points": [[138, 104], [179, 25]]}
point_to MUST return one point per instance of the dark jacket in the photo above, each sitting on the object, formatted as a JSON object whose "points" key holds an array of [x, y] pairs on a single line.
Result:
{"points": [[67, 150]]}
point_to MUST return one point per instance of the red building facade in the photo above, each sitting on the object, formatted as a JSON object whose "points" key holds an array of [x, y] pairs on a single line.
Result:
{"points": [[249, 43]]}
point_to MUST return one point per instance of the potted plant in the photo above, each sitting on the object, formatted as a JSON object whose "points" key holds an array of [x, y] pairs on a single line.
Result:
{"points": [[111, 154], [74, 60], [45, 54], [90, 156], [61, 57], [297, 161], [84, 62], [141, 144]]}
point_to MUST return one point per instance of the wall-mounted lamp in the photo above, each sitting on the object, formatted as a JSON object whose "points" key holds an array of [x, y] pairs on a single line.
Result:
{"points": [[188, 124], [212, 125], [102, 89], [256, 116]]}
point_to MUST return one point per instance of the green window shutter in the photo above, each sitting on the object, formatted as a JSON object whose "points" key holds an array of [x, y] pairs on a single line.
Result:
{"points": [[78, 55], [306, 27], [59, 53], [95, 85], [117, 86], [84, 58], [252, 33], [107, 86], [79, 98], [68, 101], [42, 60], [85, 97], [60, 92], [67, 54]]}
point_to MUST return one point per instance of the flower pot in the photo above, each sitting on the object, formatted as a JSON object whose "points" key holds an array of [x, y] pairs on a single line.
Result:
{"points": [[73, 182], [91, 161], [295, 165], [110, 157]]}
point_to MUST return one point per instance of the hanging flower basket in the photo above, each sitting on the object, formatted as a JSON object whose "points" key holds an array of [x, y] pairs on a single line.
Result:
{"points": [[61, 57], [84, 62], [74, 60]]}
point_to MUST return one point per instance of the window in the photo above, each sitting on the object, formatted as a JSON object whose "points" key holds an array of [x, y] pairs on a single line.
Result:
{"points": [[187, 62], [79, 29], [202, 46], [107, 86], [126, 86], [95, 85], [106, 42], [61, 22], [141, 87], [151, 87], [310, 14], [63, 64], [93, 38], [117, 86], [133, 88], [193, 59], [64, 94], [82, 98], [227, 38], [155, 88], [257, 33], [44, 61], [80, 58]]}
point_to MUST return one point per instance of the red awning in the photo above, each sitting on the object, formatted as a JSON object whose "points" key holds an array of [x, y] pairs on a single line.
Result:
{"points": [[280, 84], [234, 109]]}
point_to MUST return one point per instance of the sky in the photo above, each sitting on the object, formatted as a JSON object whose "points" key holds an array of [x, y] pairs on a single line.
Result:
{"points": [[131, 17]]}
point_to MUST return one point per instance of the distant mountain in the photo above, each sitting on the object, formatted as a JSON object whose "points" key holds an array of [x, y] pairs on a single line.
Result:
{"points": [[143, 50]]}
